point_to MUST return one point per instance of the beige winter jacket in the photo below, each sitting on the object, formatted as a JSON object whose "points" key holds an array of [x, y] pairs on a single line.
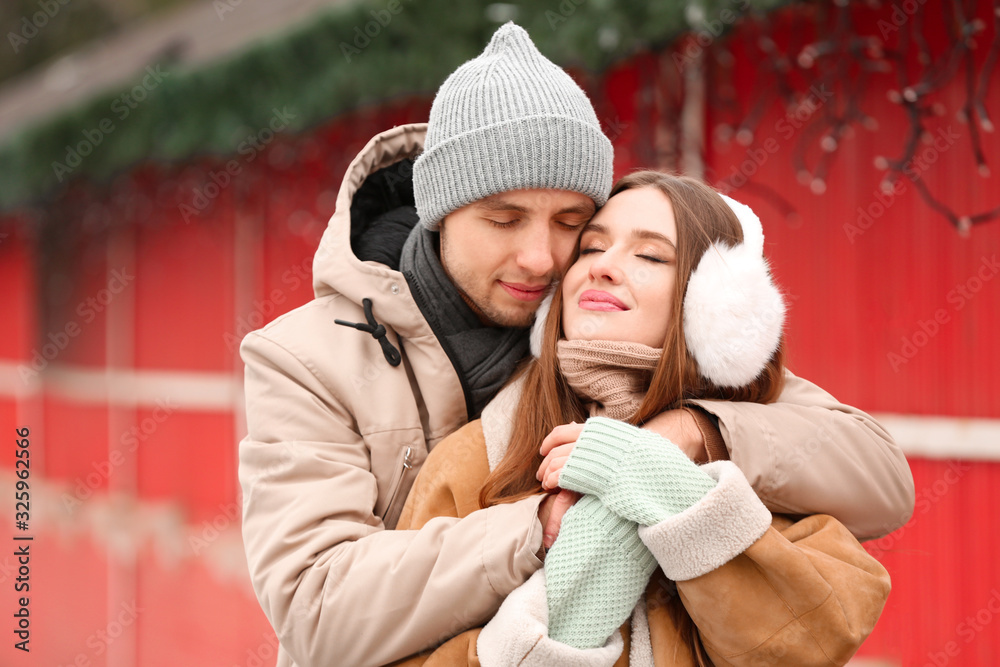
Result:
{"points": [[336, 435]]}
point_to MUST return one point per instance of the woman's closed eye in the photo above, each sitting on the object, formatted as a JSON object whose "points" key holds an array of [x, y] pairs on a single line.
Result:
{"points": [[653, 252], [652, 258], [649, 257]]}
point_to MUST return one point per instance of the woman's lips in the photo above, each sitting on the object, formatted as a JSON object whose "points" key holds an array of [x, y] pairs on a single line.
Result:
{"points": [[594, 299], [523, 292]]}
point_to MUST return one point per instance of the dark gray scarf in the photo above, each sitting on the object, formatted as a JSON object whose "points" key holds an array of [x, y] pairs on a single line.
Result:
{"points": [[484, 356]]}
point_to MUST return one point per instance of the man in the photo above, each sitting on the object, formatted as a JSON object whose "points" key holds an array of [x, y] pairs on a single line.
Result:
{"points": [[412, 333]]}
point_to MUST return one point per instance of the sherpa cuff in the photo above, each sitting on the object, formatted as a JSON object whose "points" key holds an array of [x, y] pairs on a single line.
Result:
{"points": [[713, 531], [519, 635]]}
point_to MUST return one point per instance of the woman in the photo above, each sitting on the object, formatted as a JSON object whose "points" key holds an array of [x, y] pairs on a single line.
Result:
{"points": [[669, 301]]}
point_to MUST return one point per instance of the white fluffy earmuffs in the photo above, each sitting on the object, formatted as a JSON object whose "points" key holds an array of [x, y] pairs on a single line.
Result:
{"points": [[733, 313]]}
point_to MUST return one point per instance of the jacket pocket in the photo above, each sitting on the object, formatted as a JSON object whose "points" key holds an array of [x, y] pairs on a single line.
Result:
{"points": [[400, 486]]}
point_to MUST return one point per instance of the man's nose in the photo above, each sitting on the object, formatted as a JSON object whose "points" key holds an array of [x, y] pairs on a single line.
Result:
{"points": [[536, 254]]}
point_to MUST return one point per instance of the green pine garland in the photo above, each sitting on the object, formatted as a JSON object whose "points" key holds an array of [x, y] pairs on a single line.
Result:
{"points": [[316, 71]]}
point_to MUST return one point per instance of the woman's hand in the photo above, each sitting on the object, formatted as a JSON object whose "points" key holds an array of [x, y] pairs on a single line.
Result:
{"points": [[556, 448]]}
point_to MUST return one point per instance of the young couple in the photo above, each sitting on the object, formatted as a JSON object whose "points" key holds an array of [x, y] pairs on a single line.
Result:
{"points": [[446, 239]]}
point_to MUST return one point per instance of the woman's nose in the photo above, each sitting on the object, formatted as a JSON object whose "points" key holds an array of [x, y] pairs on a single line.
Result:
{"points": [[607, 266]]}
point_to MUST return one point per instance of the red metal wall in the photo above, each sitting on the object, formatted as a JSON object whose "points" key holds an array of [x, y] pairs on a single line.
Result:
{"points": [[200, 282], [862, 322]]}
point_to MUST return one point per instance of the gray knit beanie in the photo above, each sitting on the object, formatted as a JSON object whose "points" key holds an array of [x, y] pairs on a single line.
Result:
{"points": [[509, 119]]}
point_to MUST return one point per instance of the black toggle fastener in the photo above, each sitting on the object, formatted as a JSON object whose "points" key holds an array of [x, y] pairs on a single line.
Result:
{"points": [[377, 331]]}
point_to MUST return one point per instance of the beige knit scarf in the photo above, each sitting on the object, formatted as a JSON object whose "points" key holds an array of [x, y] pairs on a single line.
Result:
{"points": [[612, 376]]}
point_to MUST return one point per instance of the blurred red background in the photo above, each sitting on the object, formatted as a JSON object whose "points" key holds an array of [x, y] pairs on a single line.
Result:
{"points": [[135, 413]]}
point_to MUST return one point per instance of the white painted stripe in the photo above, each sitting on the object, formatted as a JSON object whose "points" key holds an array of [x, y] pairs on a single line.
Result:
{"points": [[944, 437], [932, 437], [16, 380], [187, 390]]}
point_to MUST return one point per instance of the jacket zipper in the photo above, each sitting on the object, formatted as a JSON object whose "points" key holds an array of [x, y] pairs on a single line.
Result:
{"points": [[391, 511]]}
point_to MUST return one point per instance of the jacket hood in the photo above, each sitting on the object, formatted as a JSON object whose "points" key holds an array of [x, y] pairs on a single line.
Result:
{"points": [[336, 268]]}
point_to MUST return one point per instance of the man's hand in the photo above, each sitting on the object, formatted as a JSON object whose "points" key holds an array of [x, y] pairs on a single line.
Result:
{"points": [[556, 448], [680, 428], [551, 512]]}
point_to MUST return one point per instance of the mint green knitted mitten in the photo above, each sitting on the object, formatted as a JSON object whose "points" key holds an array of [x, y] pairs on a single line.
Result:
{"points": [[636, 473], [594, 573]]}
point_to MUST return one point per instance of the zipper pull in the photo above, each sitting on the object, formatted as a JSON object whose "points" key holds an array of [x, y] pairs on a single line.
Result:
{"points": [[406, 458]]}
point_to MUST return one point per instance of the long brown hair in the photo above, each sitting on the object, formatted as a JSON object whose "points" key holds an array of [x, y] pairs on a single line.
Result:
{"points": [[547, 400]]}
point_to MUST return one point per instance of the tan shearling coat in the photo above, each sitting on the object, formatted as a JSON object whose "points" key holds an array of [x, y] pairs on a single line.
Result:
{"points": [[805, 593]]}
